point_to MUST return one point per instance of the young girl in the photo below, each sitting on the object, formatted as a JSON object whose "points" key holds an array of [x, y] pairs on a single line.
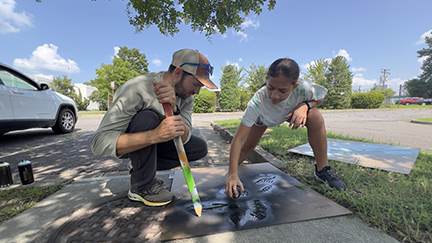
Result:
{"points": [[282, 98]]}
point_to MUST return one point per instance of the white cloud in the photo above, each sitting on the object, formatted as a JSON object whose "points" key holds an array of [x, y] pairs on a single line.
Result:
{"points": [[10, 21], [116, 51], [366, 84], [235, 64], [422, 37], [244, 36], [394, 84], [42, 78], [45, 58], [157, 62], [247, 23], [421, 60], [361, 69], [313, 63], [345, 54], [359, 80], [250, 23]]}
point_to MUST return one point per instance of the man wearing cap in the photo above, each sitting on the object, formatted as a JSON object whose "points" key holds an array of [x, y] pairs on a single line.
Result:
{"points": [[135, 125]]}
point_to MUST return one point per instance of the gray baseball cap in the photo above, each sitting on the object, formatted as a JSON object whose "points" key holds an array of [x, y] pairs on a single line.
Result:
{"points": [[195, 63]]}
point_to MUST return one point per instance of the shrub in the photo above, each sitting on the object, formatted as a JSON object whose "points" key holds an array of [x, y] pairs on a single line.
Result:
{"points": [[369, 100], [205, 101]]}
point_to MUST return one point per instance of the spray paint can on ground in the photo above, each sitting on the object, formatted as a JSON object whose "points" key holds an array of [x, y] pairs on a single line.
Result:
{"points": [[5, 174], [25, 172]]}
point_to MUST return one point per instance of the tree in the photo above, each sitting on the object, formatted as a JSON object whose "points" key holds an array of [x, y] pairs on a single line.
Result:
{"points": [[416, 88], [205, 101], [422, 85], [426, 75], [388, 93], [206, 16], [81, 102], [370, 100], [230, 91], [119, 72], [317, 71], [137, 60], [63, 85], [256, 78], [338, 81]]}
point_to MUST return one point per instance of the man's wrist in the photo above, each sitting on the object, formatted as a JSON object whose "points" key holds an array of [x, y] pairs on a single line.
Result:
{"points": [[177, 112]]}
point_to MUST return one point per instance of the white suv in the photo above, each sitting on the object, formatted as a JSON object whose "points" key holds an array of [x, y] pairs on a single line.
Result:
{"points": [[24, 103]]}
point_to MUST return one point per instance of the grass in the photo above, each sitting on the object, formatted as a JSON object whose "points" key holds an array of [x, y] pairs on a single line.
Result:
{"points": [[85, 113], [16, 200], [397, 204], [407, 106], [424, 119]]}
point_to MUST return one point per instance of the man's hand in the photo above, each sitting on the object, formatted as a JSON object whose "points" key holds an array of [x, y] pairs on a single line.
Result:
{"points": [[170, 128], [165, 93], [297, 117]]}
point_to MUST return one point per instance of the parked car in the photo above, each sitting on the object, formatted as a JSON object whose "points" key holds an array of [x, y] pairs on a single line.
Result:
{"points": [[425, 102], [25, 103], [409, 101]]}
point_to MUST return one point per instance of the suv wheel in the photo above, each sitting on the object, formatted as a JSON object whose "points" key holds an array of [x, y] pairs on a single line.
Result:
{"points": [[65, 122], [407, 103]]}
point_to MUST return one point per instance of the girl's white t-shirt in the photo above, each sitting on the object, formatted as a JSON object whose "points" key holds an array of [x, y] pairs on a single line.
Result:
{"points": [[260, 110]]}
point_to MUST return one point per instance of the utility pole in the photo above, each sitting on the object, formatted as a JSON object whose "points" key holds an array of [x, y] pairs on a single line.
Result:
{"points": [[384, 78]]}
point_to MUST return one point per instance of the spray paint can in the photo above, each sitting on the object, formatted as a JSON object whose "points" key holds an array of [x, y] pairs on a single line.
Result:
{"points": [[26, 172], [5, 174]]}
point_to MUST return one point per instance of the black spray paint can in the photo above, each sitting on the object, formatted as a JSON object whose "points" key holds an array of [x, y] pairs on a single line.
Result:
{"points": [[25, 172], [5, 174]]}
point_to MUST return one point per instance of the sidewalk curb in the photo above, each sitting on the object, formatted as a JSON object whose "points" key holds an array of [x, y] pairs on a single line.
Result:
{"points": [[421, 122], [258, 155]]}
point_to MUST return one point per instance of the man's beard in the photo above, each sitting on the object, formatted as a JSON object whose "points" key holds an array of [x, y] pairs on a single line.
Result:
{"points": [[179, 88]]}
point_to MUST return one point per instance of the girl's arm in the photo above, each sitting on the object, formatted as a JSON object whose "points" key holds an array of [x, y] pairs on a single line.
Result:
{"points": [[233, 180], [298, 116], [244, 141]]}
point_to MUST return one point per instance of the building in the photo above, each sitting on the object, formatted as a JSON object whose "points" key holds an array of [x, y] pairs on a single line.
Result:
{"points": [[86, 91]]}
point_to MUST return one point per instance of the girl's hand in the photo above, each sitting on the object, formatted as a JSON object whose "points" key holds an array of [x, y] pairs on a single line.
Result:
{"points": [[231, 184], [297, 117]]}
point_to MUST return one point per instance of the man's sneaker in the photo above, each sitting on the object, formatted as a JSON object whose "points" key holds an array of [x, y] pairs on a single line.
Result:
{"points": [[326, 175], [129, 166], [155, 196]]}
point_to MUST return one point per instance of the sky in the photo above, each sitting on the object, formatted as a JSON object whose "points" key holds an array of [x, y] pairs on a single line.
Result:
{"points": [[74, 37]]}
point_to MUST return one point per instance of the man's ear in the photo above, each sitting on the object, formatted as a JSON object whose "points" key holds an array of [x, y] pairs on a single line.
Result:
{"points": [[296, 85], [178, 72]]}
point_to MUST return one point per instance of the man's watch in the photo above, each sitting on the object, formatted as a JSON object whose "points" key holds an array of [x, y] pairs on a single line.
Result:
{"points": [[177, 112], [308, 105]]}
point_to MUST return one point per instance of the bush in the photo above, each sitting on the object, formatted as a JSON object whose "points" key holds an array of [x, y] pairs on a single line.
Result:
{"points": [[369, 100], [205, 101]]}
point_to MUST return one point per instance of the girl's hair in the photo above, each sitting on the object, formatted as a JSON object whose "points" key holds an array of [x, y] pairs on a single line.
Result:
{"points": [[286, 67]]}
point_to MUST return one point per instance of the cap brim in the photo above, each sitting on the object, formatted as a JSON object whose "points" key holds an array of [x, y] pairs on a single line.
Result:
{"points": [[206, 82]]}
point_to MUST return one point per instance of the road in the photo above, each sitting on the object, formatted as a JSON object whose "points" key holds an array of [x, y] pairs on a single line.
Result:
{"points": [[68, 155]]}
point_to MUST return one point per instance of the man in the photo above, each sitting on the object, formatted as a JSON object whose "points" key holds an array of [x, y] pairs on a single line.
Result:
{"points": [[135, 125]]}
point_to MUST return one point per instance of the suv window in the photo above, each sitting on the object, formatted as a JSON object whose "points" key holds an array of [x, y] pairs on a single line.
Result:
{"points": [[13, 81]]}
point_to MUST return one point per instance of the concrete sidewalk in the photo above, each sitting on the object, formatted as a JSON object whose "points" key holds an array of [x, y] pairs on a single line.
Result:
{"points": [[46, 218]]}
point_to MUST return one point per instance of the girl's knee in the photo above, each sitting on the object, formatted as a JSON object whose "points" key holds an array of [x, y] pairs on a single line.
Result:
{"points": [[314, 118]]}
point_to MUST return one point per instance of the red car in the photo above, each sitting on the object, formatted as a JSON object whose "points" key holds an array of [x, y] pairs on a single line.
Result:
{"points": [[409, 101]]}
